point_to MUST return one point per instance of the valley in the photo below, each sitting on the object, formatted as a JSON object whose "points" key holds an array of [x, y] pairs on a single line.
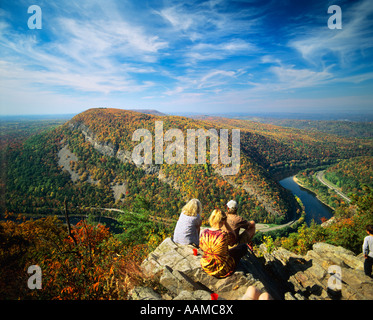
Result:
{"points": [[88, 160], [86, 163]]}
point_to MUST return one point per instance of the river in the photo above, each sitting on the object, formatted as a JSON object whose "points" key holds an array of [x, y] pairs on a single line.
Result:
{"points": [[315, 209]]}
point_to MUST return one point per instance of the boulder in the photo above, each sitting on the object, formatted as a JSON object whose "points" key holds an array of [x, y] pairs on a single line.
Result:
{"points": [[180, 272], [144, 293], [326, 272]]}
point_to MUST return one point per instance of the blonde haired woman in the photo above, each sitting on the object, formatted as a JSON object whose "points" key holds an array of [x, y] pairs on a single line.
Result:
{"points": [[188, 226], [217, 260]]}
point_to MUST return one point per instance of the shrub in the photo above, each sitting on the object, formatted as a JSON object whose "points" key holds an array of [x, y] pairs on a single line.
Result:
{"points": [[91, 264]]}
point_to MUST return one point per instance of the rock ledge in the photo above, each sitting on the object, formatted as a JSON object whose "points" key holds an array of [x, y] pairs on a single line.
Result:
{"points": [[283, 274]]}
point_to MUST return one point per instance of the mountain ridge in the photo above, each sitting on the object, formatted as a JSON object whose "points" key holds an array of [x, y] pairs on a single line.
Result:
{"points": [[36, 183], [101, 139], [112, 146]]}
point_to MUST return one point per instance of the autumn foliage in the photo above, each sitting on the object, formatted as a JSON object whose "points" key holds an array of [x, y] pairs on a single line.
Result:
{"points": [[89, 264], [35, 183]]}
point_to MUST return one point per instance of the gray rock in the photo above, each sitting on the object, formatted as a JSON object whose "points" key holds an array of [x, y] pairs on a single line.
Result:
{"points": [[109, 149], [313, 276], [281, 273], [143, 293], [340, 253], [180, 272], [185, 295]]}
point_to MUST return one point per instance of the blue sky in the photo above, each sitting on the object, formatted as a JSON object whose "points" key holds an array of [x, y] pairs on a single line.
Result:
{"points": [[186, 56]]}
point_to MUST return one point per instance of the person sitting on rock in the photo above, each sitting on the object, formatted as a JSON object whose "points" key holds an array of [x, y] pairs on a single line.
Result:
{"points": [[217, 259], [188, 226], [236, 223]]}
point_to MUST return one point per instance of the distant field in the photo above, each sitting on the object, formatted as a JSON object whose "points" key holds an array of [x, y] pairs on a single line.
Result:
{"points": [[342, 128]]}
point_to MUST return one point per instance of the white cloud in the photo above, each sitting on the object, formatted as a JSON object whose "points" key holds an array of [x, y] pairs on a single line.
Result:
{"points": [[219, 51], [290, 78], [203, 82], [87, 56], [179, 20], [177, 90], [270, 59], [217, 75], [202, 21], [102, 39], [357, 78], [346, 43], [281, 78], [208, 53], [14, 76]]}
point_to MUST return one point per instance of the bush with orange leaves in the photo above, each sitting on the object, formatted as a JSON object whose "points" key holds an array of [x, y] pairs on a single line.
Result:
{"points": [[89, 264]]}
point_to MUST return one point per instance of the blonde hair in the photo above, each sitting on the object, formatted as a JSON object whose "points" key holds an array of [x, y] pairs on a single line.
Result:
{"points": [[192, 208], [216, 217]]}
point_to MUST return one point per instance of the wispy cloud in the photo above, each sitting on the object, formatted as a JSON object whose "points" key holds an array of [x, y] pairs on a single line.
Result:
{"points": [[192, 52], [204, 82], [89, 55], [105, 38], [219, 51], [291, 78], [348, 43], [178, 19], [217, 75]]}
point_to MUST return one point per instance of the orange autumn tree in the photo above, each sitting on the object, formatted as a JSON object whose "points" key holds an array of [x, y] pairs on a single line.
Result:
{"points": [[91, 264]]}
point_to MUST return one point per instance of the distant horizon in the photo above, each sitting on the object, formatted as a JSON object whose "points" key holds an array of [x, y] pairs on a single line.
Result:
{"points": [[346, 116], [205, 56]]}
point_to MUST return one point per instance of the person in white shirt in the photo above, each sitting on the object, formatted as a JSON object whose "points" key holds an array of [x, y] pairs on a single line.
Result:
{"points": [[368, 251]]}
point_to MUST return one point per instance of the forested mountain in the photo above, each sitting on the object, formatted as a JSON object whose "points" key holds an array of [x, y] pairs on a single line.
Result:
{"points": [[344, 128], [88, 162], [352, 175], [279, 149]]}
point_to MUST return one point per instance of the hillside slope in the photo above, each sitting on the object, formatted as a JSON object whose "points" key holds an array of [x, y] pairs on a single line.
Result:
{"points": [[352, 175], [109, 131], [96, 169], [281, 148]]}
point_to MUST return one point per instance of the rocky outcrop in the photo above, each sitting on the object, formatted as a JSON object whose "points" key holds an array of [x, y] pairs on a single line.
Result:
{"points": [[106, 148], [109, 149], [65, 156], [326, 272], [283, 274], [179, 271]]}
